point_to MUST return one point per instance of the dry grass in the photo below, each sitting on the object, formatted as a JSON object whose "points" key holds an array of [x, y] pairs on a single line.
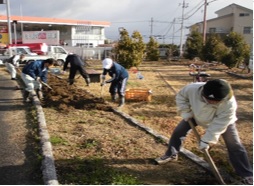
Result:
{"points": [[87, 134]]}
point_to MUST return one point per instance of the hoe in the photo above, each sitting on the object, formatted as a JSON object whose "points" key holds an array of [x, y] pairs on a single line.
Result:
{"points": [[207, 156]]}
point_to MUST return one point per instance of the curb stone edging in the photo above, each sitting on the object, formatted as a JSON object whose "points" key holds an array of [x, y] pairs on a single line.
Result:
{"points": [[48, 164], [239, 75], [193, 157], [184, 151]]}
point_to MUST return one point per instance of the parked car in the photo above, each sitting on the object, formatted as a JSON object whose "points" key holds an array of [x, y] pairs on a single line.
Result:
{"points": [[56, 52], [19, 50]]}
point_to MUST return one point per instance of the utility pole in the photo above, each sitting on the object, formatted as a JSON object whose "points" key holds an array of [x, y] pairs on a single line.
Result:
{"points": [[204, 23], [151, 33], [15, 22], [21, 23], [173, 35], [9, 22], [182, 28]]}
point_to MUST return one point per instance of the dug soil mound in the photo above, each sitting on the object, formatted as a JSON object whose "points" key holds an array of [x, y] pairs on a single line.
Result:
{"points": [[69, 98]]}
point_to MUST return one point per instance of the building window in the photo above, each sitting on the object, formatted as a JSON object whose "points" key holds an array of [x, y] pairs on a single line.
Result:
{"points": [[83, 29], [244, 14], [212, 30], [247, 30]]}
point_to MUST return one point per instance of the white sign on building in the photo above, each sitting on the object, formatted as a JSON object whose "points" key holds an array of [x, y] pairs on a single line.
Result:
{"points": [[51, 37]]}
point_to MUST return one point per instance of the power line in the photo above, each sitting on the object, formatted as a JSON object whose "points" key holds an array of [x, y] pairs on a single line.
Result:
{"points": [[201, 3], [200, 6], [194, 12], [129, 21]]}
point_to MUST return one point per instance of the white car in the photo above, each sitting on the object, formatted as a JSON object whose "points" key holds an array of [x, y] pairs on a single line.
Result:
{"points": [[20, 50]]}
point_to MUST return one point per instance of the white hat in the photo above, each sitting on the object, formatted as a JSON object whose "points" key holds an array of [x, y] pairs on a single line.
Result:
{"points": [[107, 63]]}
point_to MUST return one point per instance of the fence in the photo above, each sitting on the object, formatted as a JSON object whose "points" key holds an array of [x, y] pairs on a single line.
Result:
{"points": [[97, 53]]}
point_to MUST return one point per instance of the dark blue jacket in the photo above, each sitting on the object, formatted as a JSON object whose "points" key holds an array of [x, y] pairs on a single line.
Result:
{"points": [[117, 72], [74, 60], [36, 69]]}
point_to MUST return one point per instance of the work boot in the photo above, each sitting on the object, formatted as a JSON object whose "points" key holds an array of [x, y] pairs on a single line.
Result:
{"points": [[26, 97], [113, 97], [164, 159], [39, 94], [122, 101], [71, 81], [88, 81]]}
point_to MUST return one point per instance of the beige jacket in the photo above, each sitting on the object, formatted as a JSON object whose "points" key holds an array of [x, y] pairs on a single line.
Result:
{"points": [[213, 117]]}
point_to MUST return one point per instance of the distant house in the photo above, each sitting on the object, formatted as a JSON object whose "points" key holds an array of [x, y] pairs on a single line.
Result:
{"points": [[230, 18], [84, 33]]}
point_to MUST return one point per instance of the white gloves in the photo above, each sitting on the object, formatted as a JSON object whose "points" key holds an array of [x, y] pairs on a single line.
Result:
{"points": [[103, 77], [203, 145], [37, 79], [103, 83]]}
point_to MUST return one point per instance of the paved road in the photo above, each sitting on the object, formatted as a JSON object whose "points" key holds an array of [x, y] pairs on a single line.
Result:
{"points": [[18, 162]]}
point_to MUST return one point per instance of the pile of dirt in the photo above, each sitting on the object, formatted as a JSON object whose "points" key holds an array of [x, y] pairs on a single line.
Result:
{"points": [[66, 97]]}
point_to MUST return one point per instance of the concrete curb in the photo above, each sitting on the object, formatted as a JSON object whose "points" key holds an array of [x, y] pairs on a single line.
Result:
{"points": [[48, 164], [184, 151], [239, 75], [193, 157]]}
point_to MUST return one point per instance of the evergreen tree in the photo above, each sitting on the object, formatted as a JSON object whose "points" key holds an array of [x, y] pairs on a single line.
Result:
{"points": [[138, 49], [239, 49], [214, 49], [130, 50], [152, 51], [194, 45]]}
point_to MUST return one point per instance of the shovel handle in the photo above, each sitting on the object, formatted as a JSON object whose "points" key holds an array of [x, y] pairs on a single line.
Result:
{"points": [[102, 90], [207, 156], [45, 84], [18, 70]]}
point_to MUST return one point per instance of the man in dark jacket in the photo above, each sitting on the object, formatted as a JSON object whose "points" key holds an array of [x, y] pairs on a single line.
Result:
{"points": [[119, 77], [32, 75], [76, 64]]}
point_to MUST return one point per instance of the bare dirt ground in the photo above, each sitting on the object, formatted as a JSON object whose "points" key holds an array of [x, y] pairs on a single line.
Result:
{"points": [[88, 137]]}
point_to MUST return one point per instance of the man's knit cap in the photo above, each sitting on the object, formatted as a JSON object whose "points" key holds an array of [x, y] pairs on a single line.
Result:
{"points": [[216, 89]]}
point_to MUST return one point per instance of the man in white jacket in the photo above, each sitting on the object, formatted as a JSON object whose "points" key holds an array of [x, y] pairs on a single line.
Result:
{"points": [[13, 63], [211, 105]]}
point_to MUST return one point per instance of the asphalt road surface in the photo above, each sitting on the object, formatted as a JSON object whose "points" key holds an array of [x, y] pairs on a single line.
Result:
{"points": [[19, 162]]}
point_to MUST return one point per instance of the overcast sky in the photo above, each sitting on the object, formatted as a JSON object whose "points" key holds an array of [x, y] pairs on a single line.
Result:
{"points": [[130, 14]]}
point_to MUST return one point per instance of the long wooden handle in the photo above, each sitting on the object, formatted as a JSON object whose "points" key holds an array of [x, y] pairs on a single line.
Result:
{"points": [[207, 156], [102, 90], [45, 84]]}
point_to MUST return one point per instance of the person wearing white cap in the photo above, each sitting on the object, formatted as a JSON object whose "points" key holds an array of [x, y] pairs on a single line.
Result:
{"points": [[212, 106], [119, 77]]}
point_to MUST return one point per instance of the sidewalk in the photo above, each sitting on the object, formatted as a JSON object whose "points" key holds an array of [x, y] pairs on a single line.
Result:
{"points": [[19, 162]]}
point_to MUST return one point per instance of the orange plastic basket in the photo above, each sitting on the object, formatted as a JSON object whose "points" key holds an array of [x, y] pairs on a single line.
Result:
{"points": [[138, 94]]}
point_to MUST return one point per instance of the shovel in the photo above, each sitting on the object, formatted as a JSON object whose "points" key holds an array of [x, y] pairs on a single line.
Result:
{"points": [[46, 85], [56, 76], [102, 90], [207, 156]]}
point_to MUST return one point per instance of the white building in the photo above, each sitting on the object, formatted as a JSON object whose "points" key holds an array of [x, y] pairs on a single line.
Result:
{"points": [[234, 18], [72, 32]]}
